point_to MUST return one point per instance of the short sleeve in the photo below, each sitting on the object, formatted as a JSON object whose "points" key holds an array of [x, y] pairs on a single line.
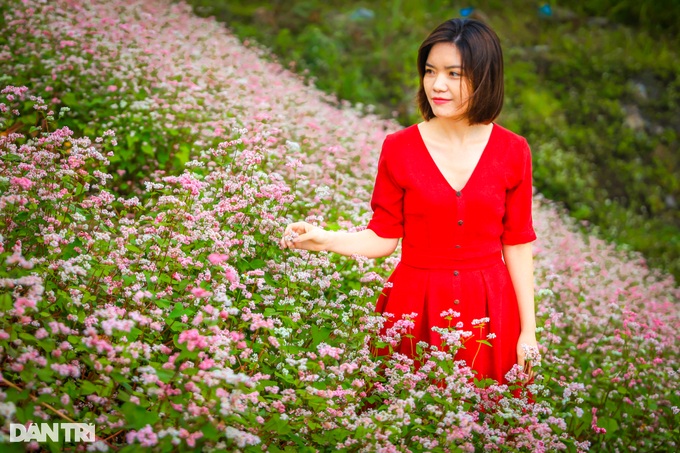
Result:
{"points": [[518, 222], [387, 201]]}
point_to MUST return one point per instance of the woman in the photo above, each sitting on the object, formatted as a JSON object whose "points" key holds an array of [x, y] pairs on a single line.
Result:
{"points": [[457, 189]]}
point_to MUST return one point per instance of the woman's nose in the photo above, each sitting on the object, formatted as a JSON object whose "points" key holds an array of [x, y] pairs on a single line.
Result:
{"points": [[439, 83]]}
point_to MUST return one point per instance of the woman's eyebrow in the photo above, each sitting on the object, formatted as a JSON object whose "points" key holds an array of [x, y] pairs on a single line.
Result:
{"points": [[445, 67]]}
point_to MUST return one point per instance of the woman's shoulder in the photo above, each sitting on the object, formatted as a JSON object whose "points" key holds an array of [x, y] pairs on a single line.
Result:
{"points": [[402, 141], [407, 134], [510, 138]]}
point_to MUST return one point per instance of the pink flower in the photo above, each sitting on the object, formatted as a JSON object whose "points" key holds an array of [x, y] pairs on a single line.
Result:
{"points": [[206, 364], [217, 258], [112, 88], [24, 183], [231, 275], [274, 342], [193, 339], [145, 436], [200, 292], [593, 424], [41, 333]]}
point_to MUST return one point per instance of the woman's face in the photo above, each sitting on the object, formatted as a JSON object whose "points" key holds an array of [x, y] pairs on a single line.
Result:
{"points": [[445, 85]]}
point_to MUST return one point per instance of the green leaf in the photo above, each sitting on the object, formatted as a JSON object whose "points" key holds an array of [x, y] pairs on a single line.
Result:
{"points": [[257, 264], [164, 375], [277, 425], [87, 388], [69, 99], [320, 334], [609, 424], [5, 302], [11, 158], [148, 149], [133, 248], [210, 432], [178, 311], [183, 153], [137, 417], [45, 375]]}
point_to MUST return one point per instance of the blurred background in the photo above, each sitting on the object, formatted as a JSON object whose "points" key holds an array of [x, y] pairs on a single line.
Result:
{"points": [[593, 85]]}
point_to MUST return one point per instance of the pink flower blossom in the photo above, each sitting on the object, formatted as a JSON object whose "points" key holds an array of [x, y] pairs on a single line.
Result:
{"points": [[24, 183], [200, 292], [193, 339], [217, 258]]}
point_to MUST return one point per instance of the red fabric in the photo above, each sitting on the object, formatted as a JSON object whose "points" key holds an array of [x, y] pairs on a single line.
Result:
{"points": [[452, 241]]}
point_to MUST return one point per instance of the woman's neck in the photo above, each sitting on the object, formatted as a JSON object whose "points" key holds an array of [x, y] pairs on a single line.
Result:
{"points": [[458, 131]]}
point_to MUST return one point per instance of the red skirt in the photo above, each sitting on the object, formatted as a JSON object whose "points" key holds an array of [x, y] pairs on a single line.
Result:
{"points": [[426, 291]]}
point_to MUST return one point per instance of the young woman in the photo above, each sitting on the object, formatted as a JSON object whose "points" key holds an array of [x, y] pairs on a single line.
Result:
{"points": [[457, 188]]}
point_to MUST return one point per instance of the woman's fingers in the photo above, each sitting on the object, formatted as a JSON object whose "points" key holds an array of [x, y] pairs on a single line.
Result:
{"points": [[296, 234], [526, 367]]}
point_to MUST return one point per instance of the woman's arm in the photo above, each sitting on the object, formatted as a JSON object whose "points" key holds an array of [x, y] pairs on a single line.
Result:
{"points": [[520, 262], [302, 235]]}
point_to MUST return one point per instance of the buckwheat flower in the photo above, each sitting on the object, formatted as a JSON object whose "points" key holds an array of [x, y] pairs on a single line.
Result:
{"points": [[293, 146], [274, 342], [230, 274], [217, 258], [193, 339], [7, 410], [66, 370], [23, 183], [450, 312], [98, 446], [593, 423], [326, 350], [146, 437], [531, 353], [200, 292], [241, 438]]}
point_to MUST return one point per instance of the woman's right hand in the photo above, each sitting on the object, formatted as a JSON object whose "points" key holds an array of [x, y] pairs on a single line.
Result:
{"points": [[305, 236]]}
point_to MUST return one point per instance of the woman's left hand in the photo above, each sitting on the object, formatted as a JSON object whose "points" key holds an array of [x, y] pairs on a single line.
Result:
{"points": [[526, 340]]}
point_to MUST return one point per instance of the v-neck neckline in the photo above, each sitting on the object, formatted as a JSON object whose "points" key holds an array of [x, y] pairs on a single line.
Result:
{"points": [[438, 170]]}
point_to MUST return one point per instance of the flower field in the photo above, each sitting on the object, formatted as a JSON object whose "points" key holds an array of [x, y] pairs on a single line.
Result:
{"points": [[149, 162]]}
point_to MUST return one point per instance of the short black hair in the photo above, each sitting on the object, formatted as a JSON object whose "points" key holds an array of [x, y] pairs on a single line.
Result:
{"points": [[482, 65]]}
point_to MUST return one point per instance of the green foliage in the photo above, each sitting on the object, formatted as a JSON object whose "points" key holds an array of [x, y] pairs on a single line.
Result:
{"points": [[658, 16], [596, 100]]}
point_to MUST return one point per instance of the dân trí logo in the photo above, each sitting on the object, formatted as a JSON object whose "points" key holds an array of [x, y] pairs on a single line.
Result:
{"points": [[40, 432]]}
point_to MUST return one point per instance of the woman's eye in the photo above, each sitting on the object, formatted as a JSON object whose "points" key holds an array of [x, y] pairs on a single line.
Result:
{"points": [[454, 74]]}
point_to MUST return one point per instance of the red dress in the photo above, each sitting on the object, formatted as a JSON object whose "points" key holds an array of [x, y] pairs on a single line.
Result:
{"points": [[451, 255]]}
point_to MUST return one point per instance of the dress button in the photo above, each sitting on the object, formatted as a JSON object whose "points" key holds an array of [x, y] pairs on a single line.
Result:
{"points": [[460, 222], [459, 194], [457, 246], [455, 273], [456, 301]]}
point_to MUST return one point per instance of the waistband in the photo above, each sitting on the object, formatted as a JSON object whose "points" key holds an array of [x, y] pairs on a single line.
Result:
{"points": [[422, 260]]}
